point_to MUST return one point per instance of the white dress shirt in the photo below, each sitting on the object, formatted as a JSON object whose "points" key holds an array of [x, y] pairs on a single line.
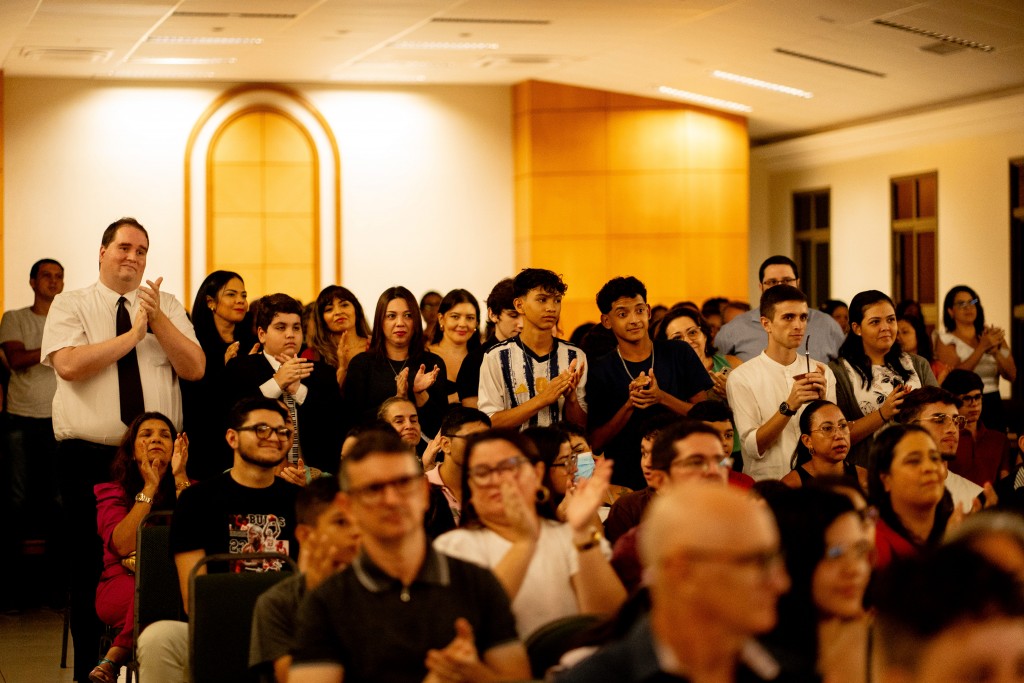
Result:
{"points": [[90, 409]]}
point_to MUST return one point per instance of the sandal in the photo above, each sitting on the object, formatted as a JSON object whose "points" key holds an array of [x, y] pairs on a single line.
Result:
{"points": [[105, 671]]}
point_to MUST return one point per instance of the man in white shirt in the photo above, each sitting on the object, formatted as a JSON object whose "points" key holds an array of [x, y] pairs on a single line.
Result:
{"points": [[109, 372], [768, 392]]}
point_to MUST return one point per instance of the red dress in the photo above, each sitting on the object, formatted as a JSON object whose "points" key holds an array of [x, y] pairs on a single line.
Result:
{"points": [[115, 595]]}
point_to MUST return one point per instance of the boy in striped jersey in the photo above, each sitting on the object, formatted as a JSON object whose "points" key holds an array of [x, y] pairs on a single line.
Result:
{"points": [[535, 379]]}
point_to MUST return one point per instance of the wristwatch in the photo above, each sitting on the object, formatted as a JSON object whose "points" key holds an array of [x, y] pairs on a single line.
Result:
{"points": [[141, 497], [786, 410], [592, 541]]}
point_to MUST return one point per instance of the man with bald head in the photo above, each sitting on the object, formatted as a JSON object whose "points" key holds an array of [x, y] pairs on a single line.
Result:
{"points": [[715, 573]]}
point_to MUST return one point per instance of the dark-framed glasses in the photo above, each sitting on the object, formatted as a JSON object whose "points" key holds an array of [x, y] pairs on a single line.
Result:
{"points": [[263, 431], [779, 281]]}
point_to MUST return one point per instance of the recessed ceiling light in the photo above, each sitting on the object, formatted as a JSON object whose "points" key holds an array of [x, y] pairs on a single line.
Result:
{"points": [[757, 83], [442, 45], [202, 40], [704, 99], [183, 61]]}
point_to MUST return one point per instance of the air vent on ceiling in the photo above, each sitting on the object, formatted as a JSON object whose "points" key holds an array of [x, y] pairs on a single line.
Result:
{"points": [[942, 49], [235, 15], [468, 20], [66, 54], [829, 62], [962, 42], [513, 61]]}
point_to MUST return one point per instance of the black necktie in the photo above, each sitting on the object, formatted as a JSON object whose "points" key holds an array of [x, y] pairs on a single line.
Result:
{"points": [[129, 383]]}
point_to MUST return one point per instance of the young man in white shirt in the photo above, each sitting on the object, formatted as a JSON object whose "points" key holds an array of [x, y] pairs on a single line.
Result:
{"points": [[768, 392], [535, 379]]}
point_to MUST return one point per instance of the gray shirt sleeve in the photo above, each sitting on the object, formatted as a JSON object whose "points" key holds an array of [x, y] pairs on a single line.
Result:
{"points": [[273, 623]]}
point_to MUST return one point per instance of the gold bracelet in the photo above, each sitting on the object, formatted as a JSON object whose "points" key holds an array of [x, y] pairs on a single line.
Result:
{"points": [[182, 486], [592, 541]]}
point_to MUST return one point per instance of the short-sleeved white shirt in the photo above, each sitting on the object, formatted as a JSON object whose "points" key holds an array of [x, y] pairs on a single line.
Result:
{"points": [[546, 593], [89, 409]]}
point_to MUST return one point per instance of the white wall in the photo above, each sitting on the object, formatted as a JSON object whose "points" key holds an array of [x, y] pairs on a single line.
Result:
{"points": [[969, 146], [426, 179]]}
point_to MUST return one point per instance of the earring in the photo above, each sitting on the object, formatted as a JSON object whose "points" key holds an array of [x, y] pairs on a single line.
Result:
{"points": [[543, 494]]}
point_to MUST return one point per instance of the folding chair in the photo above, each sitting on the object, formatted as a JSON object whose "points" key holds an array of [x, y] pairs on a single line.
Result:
{"points": [[220, 610], [157, 591]]}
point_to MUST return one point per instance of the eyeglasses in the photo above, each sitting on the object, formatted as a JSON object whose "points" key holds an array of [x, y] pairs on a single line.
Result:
{"points": [[971, 399], [699, 463], [829, 429], [763, 561], [943, 419], [481, 474], [693, 334], [966, 304], [779, 281], [855, 551], [263, 431], [373, 493], [569, 463]]}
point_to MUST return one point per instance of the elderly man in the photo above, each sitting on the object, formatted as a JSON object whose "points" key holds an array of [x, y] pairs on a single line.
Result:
{"points": [[715, 574], [118, 348], [435, 618]]}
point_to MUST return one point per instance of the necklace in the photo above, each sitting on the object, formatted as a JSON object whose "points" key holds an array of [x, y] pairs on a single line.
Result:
{"points": [[392, 366], [623, 361]]}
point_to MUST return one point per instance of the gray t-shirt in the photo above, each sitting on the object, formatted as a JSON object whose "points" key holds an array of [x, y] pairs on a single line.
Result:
{"points": [[273, 624], [30, 393]]}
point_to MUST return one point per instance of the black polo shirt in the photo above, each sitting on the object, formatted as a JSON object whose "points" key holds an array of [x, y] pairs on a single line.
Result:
{"points": [[379, 631]]}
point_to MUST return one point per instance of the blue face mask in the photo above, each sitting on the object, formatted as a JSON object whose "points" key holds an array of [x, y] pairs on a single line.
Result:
{"points": [[584, 466]]}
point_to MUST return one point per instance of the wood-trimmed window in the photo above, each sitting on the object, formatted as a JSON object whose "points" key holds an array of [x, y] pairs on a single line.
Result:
{"points": [[812, 220], [915, 241]]}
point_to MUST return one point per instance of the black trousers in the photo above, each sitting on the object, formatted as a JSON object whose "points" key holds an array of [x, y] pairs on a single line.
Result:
{"points": [[83, 465]]}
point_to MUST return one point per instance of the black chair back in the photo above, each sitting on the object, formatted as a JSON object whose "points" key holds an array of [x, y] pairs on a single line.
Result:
{"points": [[220, 607]]}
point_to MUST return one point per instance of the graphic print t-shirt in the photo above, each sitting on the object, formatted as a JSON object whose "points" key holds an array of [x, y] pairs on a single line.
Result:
{"points": [[222, 516]]}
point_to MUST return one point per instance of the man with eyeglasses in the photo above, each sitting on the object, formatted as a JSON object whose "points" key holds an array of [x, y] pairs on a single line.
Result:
{"points": [[936, 410], [983, 454], [246, 509], [402, 612], [715, 573], [685, 451], [744, 337]]}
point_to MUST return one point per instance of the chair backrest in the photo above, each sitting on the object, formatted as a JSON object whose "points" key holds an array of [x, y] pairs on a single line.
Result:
{"points": [[220, 610], [157, 591], [546, 645]]}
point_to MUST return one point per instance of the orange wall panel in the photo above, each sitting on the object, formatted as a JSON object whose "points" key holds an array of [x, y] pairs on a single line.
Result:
{"points": [[610, 184]]}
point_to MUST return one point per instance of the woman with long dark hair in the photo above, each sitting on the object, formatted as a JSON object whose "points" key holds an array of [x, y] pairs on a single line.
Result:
{"points": [[550, 570], [457, 333], [822, 627], [396, 364], [969, 344], [687, 324], [148, 473], [906, 482], [223, 325], [873, 373], [340, 331]]}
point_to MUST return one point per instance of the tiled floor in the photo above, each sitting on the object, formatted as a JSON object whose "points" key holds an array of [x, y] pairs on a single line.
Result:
{"points": [[30, 647]]}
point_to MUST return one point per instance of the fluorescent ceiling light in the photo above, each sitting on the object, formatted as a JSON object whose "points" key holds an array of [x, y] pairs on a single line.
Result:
{"points": [[183, 61], [704, 99], [442, 45], [161, 75], [202, 40], [757, 83]]}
